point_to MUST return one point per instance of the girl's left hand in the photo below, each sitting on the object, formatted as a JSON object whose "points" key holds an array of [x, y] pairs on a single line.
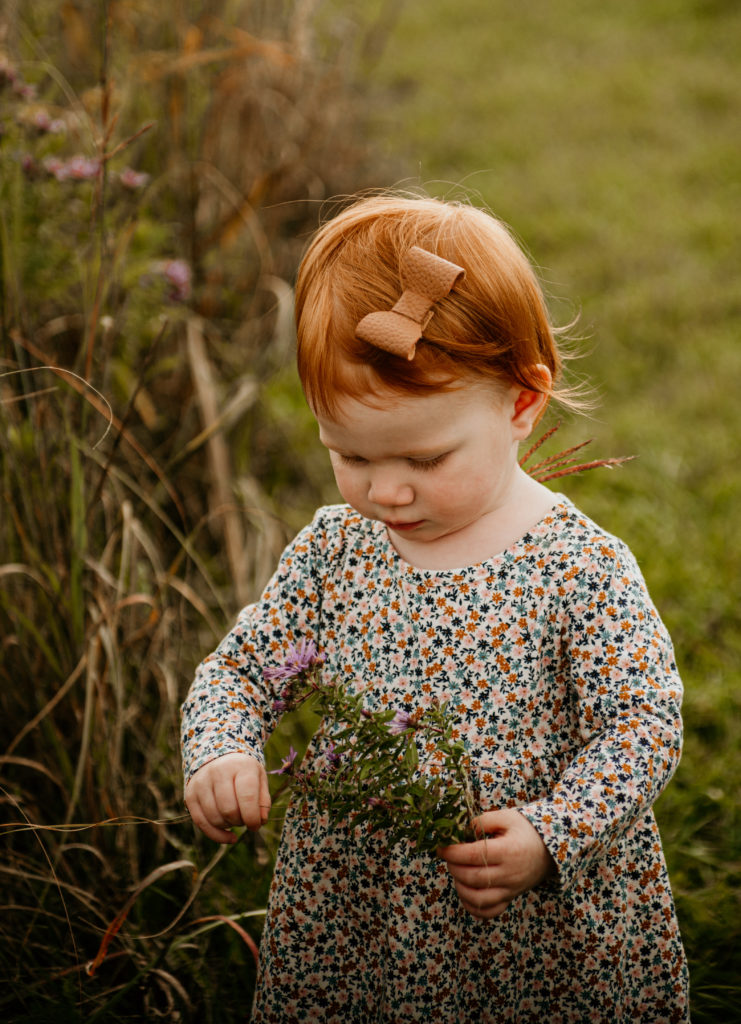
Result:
{"points": [[509, 860]]}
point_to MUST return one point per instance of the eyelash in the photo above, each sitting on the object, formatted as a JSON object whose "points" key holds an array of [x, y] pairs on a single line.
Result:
{"points": [[423, 464], [427, 463]]}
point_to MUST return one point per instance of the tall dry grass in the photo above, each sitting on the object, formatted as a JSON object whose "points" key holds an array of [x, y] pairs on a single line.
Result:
{"points": [[159, 171]]}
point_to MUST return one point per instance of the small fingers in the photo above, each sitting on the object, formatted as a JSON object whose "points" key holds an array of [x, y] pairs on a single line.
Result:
{"points": [[484, 913], [252, 798], [484, 904], [477, 875], [473, 854], [476, 878], [207, 818], [226, 802], [228, 791]]}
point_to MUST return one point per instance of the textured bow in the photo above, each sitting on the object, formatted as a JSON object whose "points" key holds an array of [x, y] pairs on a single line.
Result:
{"points": [[428, 279]]}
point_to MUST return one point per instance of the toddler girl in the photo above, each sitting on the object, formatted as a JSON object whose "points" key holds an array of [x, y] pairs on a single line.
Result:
{"points": [[427, 356]]}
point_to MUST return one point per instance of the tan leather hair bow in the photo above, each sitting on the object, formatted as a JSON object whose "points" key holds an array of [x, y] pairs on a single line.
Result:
{"points": [[427, 279]]}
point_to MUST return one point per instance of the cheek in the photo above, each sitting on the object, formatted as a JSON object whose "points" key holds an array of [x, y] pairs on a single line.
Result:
{"points": [[347, 482], [458, 489], [445, 496], [463, 495]]}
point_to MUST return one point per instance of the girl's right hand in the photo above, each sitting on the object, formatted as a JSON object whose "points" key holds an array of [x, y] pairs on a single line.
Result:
{"points": [[230, 790]]}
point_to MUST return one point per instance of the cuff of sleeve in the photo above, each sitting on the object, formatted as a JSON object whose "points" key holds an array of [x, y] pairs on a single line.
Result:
{"points": [[191, 766], [572, 852]]}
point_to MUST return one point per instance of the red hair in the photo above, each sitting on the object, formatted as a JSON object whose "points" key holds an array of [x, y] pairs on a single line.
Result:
{"points": [[494, 324]]}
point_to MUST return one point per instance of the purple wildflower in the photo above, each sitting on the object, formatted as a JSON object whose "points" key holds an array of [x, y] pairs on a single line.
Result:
{"points": [[54, 165], [279, 706], [43, 122], [25, 90], [9, 76], [278, 672], [77, 168], [332, 756], [132, 179], [304, 655], [40, 119], [298, 659], [178, 273], [286, 764], [81, 168], [401, 721], [29, 166]]}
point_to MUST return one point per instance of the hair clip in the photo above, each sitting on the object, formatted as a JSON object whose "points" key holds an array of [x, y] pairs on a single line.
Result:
{"points": [[428, 279]]}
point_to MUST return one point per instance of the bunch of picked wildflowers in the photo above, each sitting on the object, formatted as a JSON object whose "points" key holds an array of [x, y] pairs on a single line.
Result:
{"points": [[403, 772]]}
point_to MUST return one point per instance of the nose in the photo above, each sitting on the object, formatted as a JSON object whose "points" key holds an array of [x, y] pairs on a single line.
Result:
{"points": [[388, 488]]}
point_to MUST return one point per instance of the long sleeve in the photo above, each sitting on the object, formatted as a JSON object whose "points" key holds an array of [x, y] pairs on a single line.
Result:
{"points": [[624, 682], [229, 707]]}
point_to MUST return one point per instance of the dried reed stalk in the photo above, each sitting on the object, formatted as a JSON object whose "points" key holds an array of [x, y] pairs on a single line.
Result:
{"points": [[559, 465]]}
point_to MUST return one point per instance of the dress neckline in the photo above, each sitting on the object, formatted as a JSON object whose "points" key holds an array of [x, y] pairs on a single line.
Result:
{"points": [[561, 506]]}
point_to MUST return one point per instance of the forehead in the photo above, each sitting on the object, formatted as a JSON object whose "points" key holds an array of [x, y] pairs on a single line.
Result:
{"points": [[413, 424]]}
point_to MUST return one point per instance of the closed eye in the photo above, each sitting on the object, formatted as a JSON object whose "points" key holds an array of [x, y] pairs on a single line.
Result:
{"points": [[423, 464], [429, 463]]}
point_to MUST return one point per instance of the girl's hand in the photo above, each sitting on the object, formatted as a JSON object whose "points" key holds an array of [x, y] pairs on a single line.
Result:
{"points": [[489, 873], [230, 790]]}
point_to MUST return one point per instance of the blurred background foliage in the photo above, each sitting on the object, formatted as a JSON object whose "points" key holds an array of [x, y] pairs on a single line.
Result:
{"points": [[160, 172]]}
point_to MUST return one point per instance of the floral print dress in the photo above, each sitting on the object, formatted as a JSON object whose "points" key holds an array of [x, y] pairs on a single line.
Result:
{"points": [[565, 690]]}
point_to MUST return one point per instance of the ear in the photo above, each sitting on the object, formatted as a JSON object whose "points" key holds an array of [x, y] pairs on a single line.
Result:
{"points": [[529, 405]]}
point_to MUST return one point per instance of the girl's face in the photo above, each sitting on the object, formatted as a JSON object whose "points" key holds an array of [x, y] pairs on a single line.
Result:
{"points": [[440, 470]]}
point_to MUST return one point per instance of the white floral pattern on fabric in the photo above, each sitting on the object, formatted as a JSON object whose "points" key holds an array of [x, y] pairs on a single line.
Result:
{"points": [[563, 681]]}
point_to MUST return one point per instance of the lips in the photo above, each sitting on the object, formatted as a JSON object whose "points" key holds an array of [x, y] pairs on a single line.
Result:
{"points": [[400, 527]]}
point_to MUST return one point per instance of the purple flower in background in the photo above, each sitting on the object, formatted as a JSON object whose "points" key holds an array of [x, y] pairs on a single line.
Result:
{"points": [[178, 273], [42, 121], [77, 168], [25, 90], [132, 179], [401, 721], [29, 166], [9, 76], [286, 764], [81, 168], [54, 165]]}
